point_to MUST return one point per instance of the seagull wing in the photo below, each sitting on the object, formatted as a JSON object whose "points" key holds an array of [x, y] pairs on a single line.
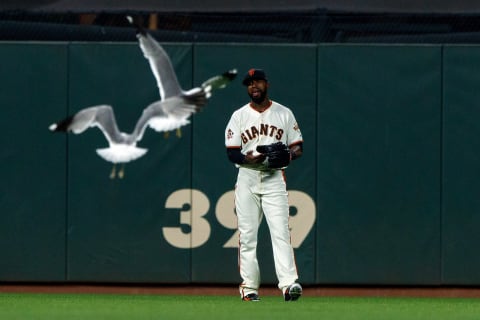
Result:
{"points": [[100, 116], [220, 81], [161, 66], [161, 114]]}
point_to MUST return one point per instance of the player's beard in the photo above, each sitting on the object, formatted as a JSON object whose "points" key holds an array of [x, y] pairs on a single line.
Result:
{"points": [[258, 99]]}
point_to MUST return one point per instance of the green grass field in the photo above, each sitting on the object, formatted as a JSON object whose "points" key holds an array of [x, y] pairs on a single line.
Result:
{"points": [[137, 307]]}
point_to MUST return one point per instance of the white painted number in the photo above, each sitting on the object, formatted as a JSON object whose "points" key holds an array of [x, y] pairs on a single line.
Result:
{"points": [[301, 221], [225, 212], [199, 226]]}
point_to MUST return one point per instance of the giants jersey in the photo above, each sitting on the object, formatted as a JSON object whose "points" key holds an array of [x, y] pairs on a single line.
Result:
{"points": [[249, 128]]}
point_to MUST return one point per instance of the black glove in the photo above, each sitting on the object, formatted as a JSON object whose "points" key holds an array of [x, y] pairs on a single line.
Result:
{"points": [[278, 154]]}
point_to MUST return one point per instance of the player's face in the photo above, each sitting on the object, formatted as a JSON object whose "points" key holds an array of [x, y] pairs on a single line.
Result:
{"points": [[257, 90]]}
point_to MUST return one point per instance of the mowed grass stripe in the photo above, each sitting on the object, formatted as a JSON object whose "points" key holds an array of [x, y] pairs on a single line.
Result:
{"points": [[112, 306]]}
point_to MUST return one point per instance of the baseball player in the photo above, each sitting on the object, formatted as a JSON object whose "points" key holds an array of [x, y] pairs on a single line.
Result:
{"points": [[262, 138]]}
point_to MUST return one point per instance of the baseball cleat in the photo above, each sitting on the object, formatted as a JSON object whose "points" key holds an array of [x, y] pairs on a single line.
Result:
{"points": [[251, 297], [293, 292]]}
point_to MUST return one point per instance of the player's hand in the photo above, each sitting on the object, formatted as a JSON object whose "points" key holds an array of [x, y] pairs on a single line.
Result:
{"points": [[252, 159]]}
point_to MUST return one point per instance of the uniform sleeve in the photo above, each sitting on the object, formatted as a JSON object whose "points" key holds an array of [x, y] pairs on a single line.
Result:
{"points": [[232, 133], [294, 135]]}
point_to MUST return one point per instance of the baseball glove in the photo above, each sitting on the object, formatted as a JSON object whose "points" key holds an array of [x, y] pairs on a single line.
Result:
{"points": [[278, 154]]}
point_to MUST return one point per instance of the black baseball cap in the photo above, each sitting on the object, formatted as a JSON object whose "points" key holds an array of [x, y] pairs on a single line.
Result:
{"points": [[254, 74]]}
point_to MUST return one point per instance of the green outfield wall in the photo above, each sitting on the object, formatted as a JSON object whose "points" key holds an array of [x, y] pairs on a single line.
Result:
{"points": [[385, 194]]}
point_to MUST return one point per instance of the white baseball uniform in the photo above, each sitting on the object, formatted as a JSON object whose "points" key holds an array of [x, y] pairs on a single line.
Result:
{"points": [[262, 191]]}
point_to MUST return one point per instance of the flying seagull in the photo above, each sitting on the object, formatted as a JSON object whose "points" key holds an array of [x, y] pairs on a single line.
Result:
{"points": [[169, 113], [170, 90]]}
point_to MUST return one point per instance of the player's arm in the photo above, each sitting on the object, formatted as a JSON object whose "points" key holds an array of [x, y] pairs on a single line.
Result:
{"points": [[296, 150], [235, 155]]}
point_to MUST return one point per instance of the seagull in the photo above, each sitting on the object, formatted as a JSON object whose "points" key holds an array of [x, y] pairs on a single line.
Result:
{"points": [[169, 88], [122, 146], [169, 113]]}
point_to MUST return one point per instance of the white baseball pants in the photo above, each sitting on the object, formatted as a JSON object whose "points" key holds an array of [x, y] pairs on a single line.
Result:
{"points": [[258, 194]]}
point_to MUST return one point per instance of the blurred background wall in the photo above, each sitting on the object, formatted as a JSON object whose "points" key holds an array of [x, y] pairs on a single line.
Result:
{"points": [[386, 193]]}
